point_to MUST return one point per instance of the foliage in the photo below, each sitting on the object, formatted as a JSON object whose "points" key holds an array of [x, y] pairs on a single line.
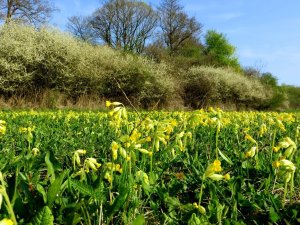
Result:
{"points": [[207, 85], [124, 24], [201, 167], [28, 11], [293, 96], [176, 26], [35, 60], [219, 52]]}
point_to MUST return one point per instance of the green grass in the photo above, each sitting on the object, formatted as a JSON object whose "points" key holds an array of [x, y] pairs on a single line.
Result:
{"points": [[157, 167]]}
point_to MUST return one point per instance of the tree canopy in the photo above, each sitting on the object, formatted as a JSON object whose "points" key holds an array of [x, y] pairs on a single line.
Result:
{"points": [[124, 24], [177, 27], [218, 51], [29, 11]]}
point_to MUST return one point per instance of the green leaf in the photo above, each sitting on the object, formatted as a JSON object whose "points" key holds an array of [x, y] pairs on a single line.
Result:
{"points": [[50, 167], [55, 188], [172, 202], [43, 217], [82, 188], [225, 157], [139, 220], [273, 215], [41, 190], [119, 201], [194, 220]]}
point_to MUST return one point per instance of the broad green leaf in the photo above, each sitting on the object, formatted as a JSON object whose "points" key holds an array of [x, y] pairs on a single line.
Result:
{"points": [[119, 201], [83, 188], [273, 215], [54, 189], [139, 220], [41, 190], [225, 157], [43, 217], [50, 168]]}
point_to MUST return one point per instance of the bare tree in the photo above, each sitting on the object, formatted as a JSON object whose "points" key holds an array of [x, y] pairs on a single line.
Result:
{"points": [[125, 24], [29, 11], [176, 26], [81, 27]]}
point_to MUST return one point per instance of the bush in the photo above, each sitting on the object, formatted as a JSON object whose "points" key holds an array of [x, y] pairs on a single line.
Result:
{"points": [[293, 96], [212, 86], [47, 59]]}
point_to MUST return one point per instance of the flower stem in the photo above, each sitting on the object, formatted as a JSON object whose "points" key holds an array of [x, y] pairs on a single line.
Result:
{"points": [[6, 198]]}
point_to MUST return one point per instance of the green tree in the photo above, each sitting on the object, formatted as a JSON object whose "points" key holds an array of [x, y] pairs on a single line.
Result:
{"points": [[269, 79], [293, 95], [279, 94], [219, 52]]}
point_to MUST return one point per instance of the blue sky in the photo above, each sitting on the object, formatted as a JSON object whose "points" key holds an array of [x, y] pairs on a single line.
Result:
{"points": [[266, 33]]}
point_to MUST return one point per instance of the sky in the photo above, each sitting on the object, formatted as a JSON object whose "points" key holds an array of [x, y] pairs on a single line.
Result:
{"points": [[266, 33]]}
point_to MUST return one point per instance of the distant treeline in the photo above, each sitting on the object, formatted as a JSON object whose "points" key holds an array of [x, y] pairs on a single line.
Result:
{"points": [[127, 50]]}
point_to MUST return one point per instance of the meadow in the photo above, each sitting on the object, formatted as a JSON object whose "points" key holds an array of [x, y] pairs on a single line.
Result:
{"points": [[155, 167]]}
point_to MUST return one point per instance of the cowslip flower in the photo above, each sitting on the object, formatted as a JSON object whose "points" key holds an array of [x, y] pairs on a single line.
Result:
{"points": [[114, 150], [35, 151], [2, 127], [200, 208], [109, 103], [251, 152], [142, 177], [76, 156], [6, 221], [250, 138], [91, 163], [213, 167], [285, 165]]}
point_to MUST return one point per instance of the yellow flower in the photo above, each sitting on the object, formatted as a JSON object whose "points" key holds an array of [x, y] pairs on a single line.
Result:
{"points": [[35, 151], [144, 151], [195, 205], [108, 177], [81, 152], [251, 152], [262, 130], [135, 135], [1, 199], [213, 167], [118, 168], [217, 165], [6, 222], [276, 149], [114, 150], [276, 164], [91, 163], [249, 138], [2, 127], [123, 152], [148, 139], [287, 165], [227, 176], [108, 104]]}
